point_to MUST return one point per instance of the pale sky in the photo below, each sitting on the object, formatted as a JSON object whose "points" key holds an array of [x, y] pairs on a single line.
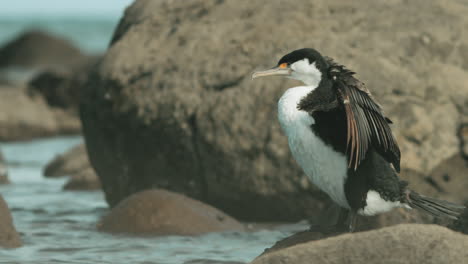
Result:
{"points": [[63, 7]]}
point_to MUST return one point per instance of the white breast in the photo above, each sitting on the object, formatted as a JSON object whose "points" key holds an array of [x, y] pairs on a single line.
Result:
{"points": [[325, 167]]}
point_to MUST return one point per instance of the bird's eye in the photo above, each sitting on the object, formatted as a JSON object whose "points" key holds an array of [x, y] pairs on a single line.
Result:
{"points": [[283, 65]]}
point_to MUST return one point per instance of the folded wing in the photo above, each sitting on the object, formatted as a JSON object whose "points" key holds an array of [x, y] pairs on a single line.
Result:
{"points": [[367, 125]]}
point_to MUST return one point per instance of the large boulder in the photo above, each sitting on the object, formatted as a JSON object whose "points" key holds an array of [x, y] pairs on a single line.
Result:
{"points": [[9, 237], [24, 116], [410, 243], [171, 104], [37, 49], [160, 212]]}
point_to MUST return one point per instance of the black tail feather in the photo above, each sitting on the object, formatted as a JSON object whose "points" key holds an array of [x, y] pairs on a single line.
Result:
{"points": [[438, 208]]}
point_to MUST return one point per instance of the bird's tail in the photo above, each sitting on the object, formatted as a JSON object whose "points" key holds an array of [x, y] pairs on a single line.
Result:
{"points": [[436, 207]]}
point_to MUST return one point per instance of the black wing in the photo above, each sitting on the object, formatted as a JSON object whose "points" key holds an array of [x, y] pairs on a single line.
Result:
{"points": [[366, 123]]}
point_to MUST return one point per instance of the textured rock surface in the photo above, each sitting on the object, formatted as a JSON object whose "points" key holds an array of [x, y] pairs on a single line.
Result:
{"points": [[160, 212], [172, 105], [409, 243], [9, 238], [36, 49], [24, 116]]}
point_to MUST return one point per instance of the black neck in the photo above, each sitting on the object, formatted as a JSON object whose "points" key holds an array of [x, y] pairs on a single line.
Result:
{"points": [[319, 98]]}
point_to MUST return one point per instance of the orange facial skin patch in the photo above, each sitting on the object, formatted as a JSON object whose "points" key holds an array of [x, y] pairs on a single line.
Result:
{"points": [[283, 65]]}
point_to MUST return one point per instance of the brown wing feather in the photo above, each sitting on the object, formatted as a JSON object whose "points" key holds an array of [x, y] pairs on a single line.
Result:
{"points": [[366, 123]]}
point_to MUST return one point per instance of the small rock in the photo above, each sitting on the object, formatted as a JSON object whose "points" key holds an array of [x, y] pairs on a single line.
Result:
{"points": [[83, 180], [161, 212], [9, 238], [408, 243], [4, 179], [72, 162], [3, 171]]}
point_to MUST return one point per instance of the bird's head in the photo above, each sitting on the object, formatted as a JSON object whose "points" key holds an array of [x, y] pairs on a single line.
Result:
{"points": [[305, 65]]}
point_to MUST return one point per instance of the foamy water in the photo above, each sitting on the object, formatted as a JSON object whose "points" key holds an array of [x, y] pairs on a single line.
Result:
{"points": [[59, 226]]}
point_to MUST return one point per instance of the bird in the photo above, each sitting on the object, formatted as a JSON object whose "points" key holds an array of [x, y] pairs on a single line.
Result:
{"points": [[340, 137]]}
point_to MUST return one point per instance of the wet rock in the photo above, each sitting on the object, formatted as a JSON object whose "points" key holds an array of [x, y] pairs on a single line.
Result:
{"points": [[409, 243], [162, 109], [83, 180], [72, 162], [3, 171], [36, 49], [160, 212], [9, 238], [24, 117], [4, 179]]}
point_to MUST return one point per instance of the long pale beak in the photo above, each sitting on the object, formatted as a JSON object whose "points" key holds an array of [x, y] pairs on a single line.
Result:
{"points": [[276, 71]]}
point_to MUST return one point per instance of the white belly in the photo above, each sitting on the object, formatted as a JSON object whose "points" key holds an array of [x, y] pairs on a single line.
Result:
{"points": [[325, 167]]}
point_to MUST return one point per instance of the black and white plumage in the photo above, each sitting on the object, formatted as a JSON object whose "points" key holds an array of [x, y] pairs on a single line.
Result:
{"points": [[341, 138]]}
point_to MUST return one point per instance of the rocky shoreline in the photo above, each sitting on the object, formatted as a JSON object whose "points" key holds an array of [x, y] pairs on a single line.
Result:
{"points": [[182, 142]]}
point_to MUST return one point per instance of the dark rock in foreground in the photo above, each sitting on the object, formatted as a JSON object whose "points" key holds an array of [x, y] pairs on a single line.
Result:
{"points": [[409, 243], [171, 104], [36, 49], [9, 238], [160, 212], [24, 117]]}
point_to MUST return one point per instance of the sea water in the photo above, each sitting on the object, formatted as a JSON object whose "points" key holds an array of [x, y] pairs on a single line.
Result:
{"points": [[58, 226]]}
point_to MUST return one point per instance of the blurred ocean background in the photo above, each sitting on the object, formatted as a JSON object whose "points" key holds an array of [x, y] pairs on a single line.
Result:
{"points": [[88, 24]]}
